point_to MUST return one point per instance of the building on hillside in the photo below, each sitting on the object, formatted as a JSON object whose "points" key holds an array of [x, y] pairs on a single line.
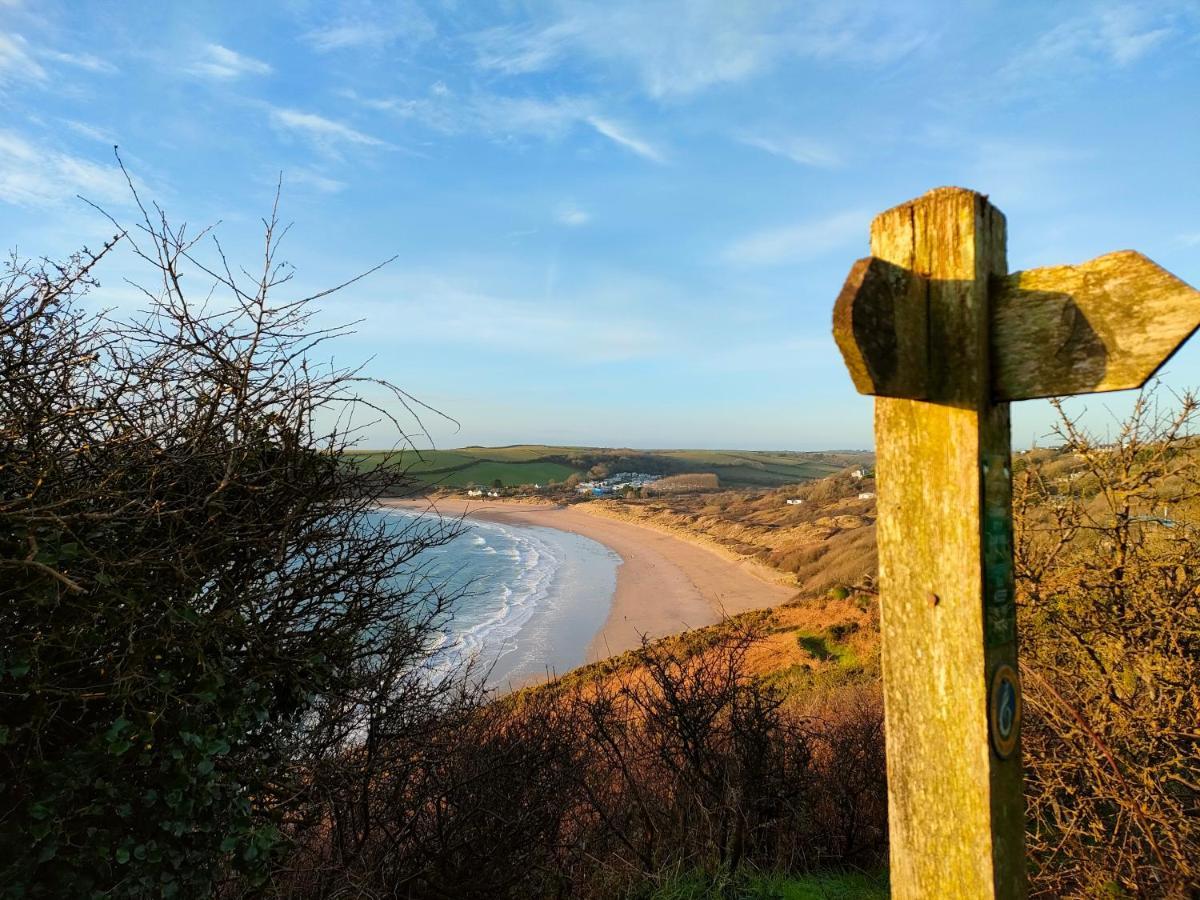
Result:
{"points": [[795, 501], [616, 483], [867, 495], [474, 492]]}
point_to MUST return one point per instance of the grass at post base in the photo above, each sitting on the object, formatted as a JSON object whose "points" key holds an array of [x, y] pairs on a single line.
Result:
{"points": [[761, 886]]}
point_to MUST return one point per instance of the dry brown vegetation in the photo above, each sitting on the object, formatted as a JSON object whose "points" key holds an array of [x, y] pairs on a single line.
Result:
{"points": [[676, 758], [1109, 585], [1108, 563], [678, 484], [827, 541]]}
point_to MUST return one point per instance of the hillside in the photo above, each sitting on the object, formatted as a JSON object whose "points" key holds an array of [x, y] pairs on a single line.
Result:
{"points": [[826, 540], [528, 464]]}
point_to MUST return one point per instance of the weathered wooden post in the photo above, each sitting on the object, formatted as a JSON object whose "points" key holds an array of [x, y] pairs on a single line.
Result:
{"points": [[934, 327]]}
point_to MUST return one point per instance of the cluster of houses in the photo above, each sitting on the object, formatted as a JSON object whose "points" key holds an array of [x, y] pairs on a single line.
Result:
{"points": [[480, 492], [614, 484], [858, 475]]}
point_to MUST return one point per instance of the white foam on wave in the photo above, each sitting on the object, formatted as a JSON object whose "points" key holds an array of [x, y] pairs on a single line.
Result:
{"points": [[519, 592], [504, 597]]}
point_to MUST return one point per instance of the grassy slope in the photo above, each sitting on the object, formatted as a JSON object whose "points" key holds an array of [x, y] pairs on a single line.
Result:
{"points": [[536, 463]]}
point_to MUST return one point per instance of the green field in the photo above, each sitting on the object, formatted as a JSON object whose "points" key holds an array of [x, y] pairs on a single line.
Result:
{"points": [[527, 464]]}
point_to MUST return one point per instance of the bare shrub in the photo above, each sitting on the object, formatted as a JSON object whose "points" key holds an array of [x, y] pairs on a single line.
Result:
{"points": [[197, 602], [1110, 612], [602, 787]]}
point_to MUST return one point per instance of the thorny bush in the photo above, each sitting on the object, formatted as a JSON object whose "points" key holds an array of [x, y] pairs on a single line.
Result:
{"points": [[1108, 568], [197, 605]]}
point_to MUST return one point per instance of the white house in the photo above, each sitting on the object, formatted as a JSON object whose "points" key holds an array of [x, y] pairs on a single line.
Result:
{"points": [[474, 492], [867, 495], [795, 501]]}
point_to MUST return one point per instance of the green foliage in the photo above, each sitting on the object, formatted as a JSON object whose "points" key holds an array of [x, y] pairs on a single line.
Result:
{"points": [[827, 645]]}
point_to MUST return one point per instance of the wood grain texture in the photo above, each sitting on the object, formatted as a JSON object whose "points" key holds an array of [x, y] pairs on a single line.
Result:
{"points": [[879, 324], [955, 809], [1106, 325]]}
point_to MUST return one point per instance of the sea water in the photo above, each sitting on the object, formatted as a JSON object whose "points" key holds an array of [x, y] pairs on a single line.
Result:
{"points": [[530, 599]]}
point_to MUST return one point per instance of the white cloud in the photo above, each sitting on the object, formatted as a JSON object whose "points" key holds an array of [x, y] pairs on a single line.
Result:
{"points": [[224, 64], [16, 62], [516, 50], [1124, 37], [502, 117], [39, 176], [80, 60], [1190, 240], [802, 151], [1117, 36], [90, 131], [678, 48], [799, 242], [311, 179], [319, 129], [19, 60], [571, 215], [621, 135], [372, 25], [339, 37]]}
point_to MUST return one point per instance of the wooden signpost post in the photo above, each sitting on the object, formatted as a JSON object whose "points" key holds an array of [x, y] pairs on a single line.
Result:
{"points": [[933, 326]]}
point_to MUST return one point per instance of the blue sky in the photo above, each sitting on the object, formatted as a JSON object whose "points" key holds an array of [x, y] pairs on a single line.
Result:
{"points": [[616, 223]]}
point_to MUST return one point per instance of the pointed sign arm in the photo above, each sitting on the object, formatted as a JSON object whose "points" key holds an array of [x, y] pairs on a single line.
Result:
{"points": [[1106, 325]]}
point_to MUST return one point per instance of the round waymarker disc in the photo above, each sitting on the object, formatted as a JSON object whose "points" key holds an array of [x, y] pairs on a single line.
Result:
{"points": [[1004, 711]]}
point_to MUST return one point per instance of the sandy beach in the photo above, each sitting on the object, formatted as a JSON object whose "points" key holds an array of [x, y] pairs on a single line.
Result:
{"points": [[665, 584]]}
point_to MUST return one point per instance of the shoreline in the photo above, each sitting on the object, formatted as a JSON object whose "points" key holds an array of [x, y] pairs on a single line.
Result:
{"points": [[665, 583]]}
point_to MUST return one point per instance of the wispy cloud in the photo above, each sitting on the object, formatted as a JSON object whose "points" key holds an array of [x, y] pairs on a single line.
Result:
{"points": [[349, 35], [216, 61], [90, 131], [679, 48], [517, 50], [801, 241], [86, 61], [339, 37], [571, 215], [502, 117], [619, 134], [320, 130], [314, 180], [373, 26], [1190, 240], [16, 60], [20, 60], [1117, 36], [800, 150], [33, 175]]}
